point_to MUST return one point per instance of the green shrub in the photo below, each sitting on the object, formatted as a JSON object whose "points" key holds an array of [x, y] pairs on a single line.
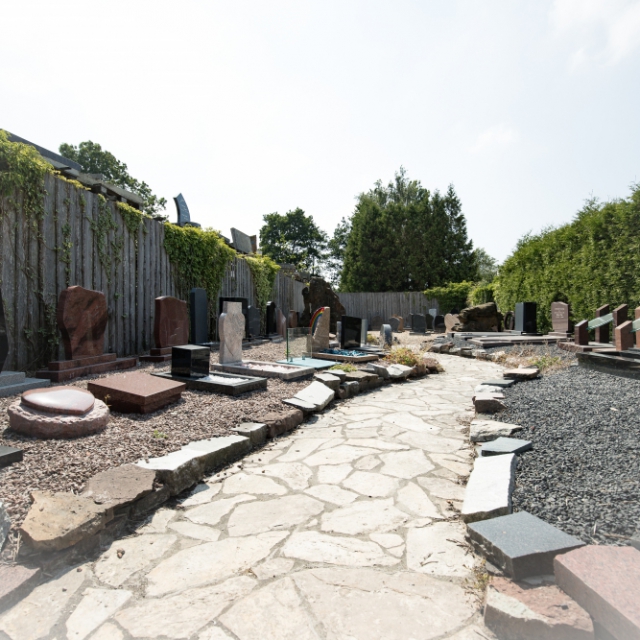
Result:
{"points": [[451, 296], [402, 355], [481, 293], [592, 261], [344, 366]]}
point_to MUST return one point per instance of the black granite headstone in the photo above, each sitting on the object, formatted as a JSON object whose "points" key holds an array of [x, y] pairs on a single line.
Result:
{"points": [[394, 323], [199, 316], [9, 455], [254, 315], [184, 217], [418, 323], [4, 340], [245, 311], [526, 321], [429, 318], [438, 322], [190, 361], [351, 332], [271, 318]]}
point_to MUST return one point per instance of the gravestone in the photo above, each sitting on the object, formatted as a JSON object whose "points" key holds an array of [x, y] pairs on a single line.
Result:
{"points": [[438, 323], [231, 329], [351, 334], [190, 361], [199, 309], [623, 336], [620, 315], [241, 241], [271, 318], [320, 323], [184, 217], [254, 317], [386, 336], [281, 323], [82, 319], [171, 322], [364, 332], [560, 319], [400, 323], [376, 323], [581, 333], [637, 317], [4, 340], [245, 310], [602, 333], [394, 323], [429, 320], [418, 323], [526, 321], [293, 319]]}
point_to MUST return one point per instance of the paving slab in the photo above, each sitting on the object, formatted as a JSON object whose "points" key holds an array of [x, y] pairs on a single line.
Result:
{"points": [[502, 446], [520, 544], [606, 582], [486, 430], [9, 455], [489, 489], [16, 581]]}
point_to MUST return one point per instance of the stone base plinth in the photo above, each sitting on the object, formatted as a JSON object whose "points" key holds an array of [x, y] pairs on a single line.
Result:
{"points": [[157, 355], [14, 382], [62, 370]]}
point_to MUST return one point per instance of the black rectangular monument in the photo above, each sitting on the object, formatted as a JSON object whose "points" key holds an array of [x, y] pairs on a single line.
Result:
{"points": [[526, 321], [199, 316], [190, 360], [351, 332]]}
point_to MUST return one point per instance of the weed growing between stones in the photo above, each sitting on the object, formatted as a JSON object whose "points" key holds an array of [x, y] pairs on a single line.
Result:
{"points": [[402, 355], [344, 366]]}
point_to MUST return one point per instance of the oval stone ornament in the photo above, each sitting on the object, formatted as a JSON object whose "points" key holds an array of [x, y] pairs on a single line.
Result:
{"points": [[70, 401]]}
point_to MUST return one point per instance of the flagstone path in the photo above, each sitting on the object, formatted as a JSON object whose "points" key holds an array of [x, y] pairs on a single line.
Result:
{"points": [[343, 530]]}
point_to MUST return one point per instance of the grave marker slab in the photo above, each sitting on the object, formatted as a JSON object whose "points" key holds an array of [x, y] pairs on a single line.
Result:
{"points": [[170, 328], [581, 333], [231, 327], [620, 315], [418, 323], [254, 318], [394, 323], [520, 544], [560, 320], [386, 336], [364, 332], [623, 336], [9, 455], [526, 320], [320, 323], [271, 318], [351, 332], [637, 317], [602, 332], [241, 241], [502, 446], [199, 315], [293, 319], [184, 217], [190, 361], [376, 323]]}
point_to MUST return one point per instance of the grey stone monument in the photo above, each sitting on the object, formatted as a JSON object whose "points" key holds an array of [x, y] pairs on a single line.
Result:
{"points": [[231, 329], [184, 217], [386, 336], [199, 316], [241, 241]]}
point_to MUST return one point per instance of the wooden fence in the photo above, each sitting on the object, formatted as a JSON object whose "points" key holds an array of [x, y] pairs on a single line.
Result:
{"points": [[369, 305], [75, 244]]}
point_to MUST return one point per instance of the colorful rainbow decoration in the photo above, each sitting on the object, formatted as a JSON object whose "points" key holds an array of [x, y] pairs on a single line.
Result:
{"points": [[315, 317]]}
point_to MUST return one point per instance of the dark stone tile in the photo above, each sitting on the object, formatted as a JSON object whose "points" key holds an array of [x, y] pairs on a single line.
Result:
{"points": [[9, 455], [505, 445]]}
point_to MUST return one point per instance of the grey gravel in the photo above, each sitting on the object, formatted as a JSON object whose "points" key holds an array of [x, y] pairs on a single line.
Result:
{"points": [[583, 473]]}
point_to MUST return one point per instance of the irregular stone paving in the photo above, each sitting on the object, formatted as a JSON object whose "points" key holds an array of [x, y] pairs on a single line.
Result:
{"points": [[344, 529]]}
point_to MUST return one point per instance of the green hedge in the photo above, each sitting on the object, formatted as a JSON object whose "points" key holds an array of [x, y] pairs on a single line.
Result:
{"points": [[452, 296], [592, 261]]}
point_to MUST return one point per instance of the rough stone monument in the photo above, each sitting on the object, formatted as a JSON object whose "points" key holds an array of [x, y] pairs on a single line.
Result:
{"points": [[82, 319], [394, 323], [199, 316], [317, 295], [293, 319], [482, 318], [170, 328], [231, 328]]}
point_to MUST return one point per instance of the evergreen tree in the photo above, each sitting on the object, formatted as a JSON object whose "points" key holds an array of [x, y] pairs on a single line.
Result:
{"points": [[403, 238], [336, 249]]}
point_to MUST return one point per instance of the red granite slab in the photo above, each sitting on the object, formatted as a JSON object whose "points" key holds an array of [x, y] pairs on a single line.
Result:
{"points": [[136, 392], [105, 367], [162, 354], [82, 319], [69, 401], [61, 365], [171, 322], [606, 582]]}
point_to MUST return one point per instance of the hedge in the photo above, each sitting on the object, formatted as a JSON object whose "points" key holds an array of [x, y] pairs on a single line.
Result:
{"points": [[592, 261]]}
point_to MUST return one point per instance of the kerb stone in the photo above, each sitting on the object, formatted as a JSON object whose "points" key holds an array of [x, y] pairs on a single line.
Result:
{"points": [[316, 394], [489, 489], [120, 486], [606, 582], [279, 423], [486, 430], [488, 403], [328, 379], [257, 432], [523, 373], [219, 451], [177, 470]]}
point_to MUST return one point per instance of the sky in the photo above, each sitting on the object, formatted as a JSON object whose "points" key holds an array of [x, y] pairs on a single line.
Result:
{"points": [[247, 107]]}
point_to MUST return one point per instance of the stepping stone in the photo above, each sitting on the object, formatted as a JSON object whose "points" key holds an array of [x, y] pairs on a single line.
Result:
{"points": [[504, 384], [70, 401], [16, 582], [119, 486], [136, 392], [489, 489], [523, 373], [486, 430], [606, 582], [520, 611], [328, 379], [316, 397], [9, 455], [520, 544], [488, 403], [505, 445]]}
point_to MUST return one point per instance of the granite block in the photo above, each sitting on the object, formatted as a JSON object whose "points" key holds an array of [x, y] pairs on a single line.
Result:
{"points": [[9, 455]]}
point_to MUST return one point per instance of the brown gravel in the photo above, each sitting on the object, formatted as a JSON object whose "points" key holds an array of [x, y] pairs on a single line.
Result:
{"points": [[65, 465]]}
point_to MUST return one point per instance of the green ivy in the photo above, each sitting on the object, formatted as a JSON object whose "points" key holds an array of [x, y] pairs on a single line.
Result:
{"points": [[452, 295], [133, 219], [101, 226], [481, 293], [264, 271], [200, 256]]}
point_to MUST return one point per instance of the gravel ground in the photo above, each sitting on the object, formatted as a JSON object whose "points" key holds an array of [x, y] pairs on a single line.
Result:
{"points": [[583, 474], [65, 465]]}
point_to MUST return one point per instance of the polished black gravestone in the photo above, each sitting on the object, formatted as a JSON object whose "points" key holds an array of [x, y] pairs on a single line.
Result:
{"points": [[9, 455], [520, 544], [526, 320], [190, 360], [438, 323], [199, 316], [184, 217], [351, 332], [418, 323], [503, 445], [253, 321], [271, 318]]}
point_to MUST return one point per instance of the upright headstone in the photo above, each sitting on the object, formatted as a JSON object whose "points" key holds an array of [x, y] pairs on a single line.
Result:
{"points": [[602, 333], [429, 320], [171, 322], [231, 328], [271, 318], [438, 323], [254, 317], [386, 335], [245, 309], [241, 241], [320, 323], [199, 316], [394, 323], [620, 315], [581, 333], [364, 332], [623, 336], [400, 323], [560, 319], [376, 323], [82, 319], [184, 217], [281, 323], [351, 334], [526, 321], [4, 340], [293, 319], [418, 323]]}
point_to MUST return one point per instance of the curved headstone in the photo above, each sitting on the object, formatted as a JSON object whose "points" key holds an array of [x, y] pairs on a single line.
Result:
{"points": [[82, 319], [171, 323], [394, 323]]}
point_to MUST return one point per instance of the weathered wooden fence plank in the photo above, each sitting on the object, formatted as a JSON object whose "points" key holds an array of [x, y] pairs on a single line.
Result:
{"points": [[368, 305]]}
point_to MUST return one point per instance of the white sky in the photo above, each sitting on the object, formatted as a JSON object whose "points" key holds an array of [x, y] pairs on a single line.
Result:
{"points": [[250, 107]]}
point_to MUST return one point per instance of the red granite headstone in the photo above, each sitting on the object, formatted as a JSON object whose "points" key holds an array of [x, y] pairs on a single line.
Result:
{"points": [[602, 333], [560, 318], [581, 333], [171, 324], [293, 319], [620, 315], [623, 336], [82, 319]]}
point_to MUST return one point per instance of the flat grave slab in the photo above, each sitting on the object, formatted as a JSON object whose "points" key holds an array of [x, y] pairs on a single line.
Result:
{"points": [[70, 401], [520, 544], [266, 369], [9, 455], [136, 392], [14, 382], [606, 582], [314, 363], [353, 357], [219, 382], [625, 364], [502, 446]]}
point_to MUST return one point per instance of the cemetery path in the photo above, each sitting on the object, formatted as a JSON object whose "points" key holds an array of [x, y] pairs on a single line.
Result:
{"points": [[344, 529]]}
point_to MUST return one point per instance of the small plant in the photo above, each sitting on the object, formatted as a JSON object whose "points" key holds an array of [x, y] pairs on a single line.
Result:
{"points": [[546, 362], [159, 435], [344, 366], [371, 339], [402, 355]]}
